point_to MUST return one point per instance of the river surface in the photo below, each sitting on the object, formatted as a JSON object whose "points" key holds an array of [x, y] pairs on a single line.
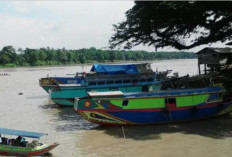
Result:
{"points": [[33, 111]]}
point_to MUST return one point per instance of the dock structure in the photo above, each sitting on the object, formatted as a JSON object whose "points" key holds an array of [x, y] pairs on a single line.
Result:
{"points": [[214, 59]]}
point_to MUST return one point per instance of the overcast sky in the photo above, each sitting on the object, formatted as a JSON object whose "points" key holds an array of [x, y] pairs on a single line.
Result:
{"points": [[58, 24]]}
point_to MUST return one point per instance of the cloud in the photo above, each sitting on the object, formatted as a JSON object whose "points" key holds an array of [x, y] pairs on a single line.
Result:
{"points": [[60, 24]]}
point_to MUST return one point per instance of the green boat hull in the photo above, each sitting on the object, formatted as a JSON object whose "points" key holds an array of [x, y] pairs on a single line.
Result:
{"points": [[25, 151]]}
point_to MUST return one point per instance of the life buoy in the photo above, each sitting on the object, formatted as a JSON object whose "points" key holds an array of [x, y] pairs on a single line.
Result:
{"points": [[87, 103]]}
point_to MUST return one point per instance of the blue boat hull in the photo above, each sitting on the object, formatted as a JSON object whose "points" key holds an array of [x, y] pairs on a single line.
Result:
{"points": [[153, 116]]}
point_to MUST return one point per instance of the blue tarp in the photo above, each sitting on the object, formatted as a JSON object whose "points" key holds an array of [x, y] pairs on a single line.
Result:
{"points": [[115, 68], [21, 133]]}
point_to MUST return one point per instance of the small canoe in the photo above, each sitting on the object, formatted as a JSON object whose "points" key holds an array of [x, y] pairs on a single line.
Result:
{"points": [[14, 147]]}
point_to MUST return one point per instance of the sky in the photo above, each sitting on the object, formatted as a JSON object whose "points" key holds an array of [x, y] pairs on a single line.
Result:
{"points": [[58, 24]]}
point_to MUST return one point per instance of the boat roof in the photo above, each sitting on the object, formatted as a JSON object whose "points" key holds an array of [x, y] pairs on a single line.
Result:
{"points": [[21, 133], [121, 68], [159, 93], [108, 93], [176, 92]]}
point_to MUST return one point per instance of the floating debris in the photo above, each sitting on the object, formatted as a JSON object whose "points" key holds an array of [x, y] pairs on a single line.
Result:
{"points": [[20, 93]]}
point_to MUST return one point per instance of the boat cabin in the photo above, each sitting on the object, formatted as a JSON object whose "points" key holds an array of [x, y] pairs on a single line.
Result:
{"points": [[214, 59]]}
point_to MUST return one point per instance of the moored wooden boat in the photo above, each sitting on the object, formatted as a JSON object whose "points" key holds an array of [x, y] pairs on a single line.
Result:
{"points": [[17, 147], [125, 78], [162, 106], [97, 70]]}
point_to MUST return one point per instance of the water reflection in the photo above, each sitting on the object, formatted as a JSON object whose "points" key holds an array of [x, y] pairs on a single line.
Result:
{"points": [[73, 120], [217, 128], [66, 119]]}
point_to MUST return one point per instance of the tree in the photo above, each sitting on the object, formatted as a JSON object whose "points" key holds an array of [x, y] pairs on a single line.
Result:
{"points": [[31, 56], [100, 57], [182, 25], [112, 56], [8, 55], [82, 59], [61, 55]]}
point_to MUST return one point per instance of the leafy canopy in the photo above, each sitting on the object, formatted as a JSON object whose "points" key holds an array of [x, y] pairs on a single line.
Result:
{"points": [[182, 25]]}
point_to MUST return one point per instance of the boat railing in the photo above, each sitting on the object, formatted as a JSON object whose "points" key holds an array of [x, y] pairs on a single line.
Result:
{"points": [[142, 81]]}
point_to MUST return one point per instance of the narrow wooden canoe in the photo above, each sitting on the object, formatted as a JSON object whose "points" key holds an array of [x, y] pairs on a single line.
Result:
{"points": [[19, 146], [26, 151]]}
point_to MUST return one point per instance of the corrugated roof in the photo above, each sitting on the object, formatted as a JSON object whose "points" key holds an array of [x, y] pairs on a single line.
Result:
{"points": [[218, 50]]}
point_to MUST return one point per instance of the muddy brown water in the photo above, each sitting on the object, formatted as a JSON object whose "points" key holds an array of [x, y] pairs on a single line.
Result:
{"points": [[33, 111]]}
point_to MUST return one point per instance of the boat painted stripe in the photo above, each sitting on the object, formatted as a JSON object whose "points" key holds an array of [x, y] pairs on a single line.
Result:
{"points": [[45, 150], [113, 117], [85, 115], [155, 109]]}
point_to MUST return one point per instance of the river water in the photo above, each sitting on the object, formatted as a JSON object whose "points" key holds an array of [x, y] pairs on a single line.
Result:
{"points": [[33, 111]]}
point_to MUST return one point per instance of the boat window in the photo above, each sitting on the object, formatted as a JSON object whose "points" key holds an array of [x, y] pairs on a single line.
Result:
{"points": [[220, 96], [150, 79], [145, 88], [125, 102], [126, 81], [110, 82], [101, 83], [134, 81], [92, 83], [118, 81], [170, 100], [142, 80]]}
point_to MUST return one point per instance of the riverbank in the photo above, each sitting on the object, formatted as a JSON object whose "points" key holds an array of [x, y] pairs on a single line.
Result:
{"points": [[87, 63], [28, 57]]}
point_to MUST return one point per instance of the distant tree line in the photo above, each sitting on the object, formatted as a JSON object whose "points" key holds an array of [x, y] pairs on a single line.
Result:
{"points": [[9, 57]]}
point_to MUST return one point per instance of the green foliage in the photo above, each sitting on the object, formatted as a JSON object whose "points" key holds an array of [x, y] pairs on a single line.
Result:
{"points": [[8, 55], [82, 59], [10, 65], [179, 24], [48, 56]]}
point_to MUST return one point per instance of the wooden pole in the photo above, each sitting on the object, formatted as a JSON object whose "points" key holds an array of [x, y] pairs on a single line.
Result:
{"points": [[205, 68], [199, 68]]}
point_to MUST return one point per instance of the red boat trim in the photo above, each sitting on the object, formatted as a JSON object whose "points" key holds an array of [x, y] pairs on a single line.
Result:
{"points": [[43, 151]]}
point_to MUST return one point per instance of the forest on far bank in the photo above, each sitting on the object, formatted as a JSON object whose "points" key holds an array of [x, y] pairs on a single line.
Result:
{"points": [[10, 57]]}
